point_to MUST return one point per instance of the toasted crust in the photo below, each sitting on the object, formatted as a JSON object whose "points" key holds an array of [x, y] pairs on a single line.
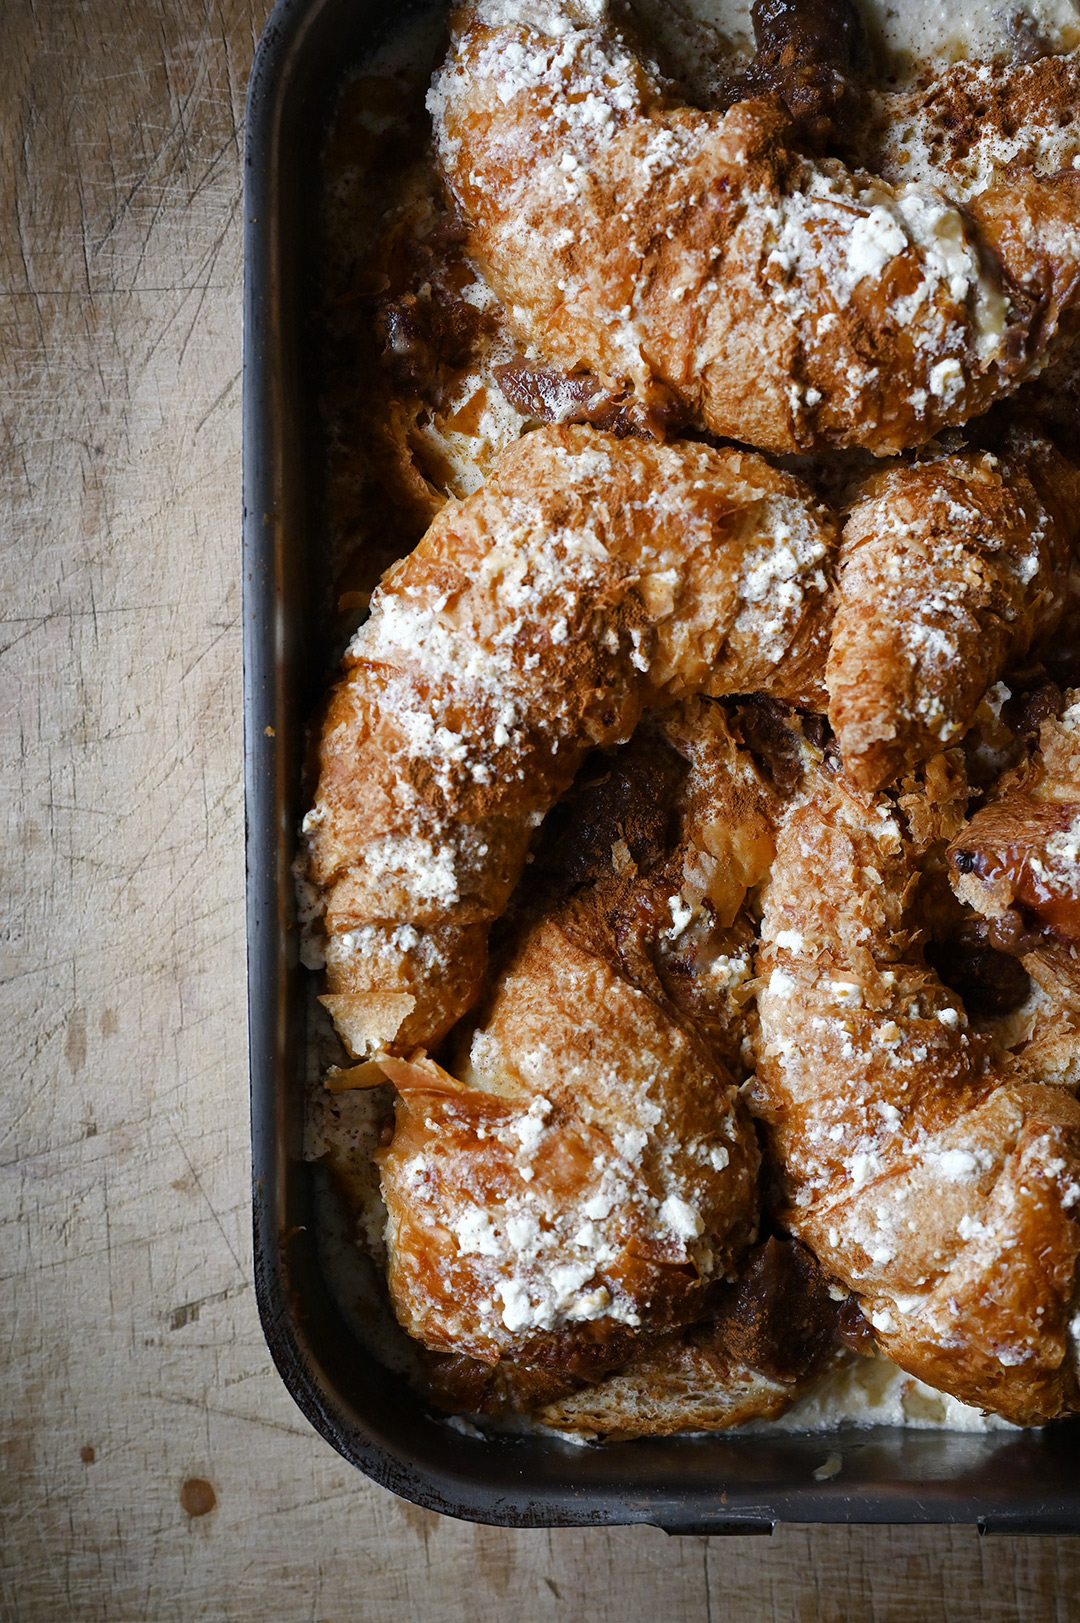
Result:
{"points": [[680, 1385], [948, 569], [699, 256], [769, 1339], [920, 1171], [590, 577]]}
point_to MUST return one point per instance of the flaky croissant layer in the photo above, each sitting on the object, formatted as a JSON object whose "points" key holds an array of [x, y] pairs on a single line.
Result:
{"points": [[923, 1171], [589, 578], [787, 302], [948, 569]]}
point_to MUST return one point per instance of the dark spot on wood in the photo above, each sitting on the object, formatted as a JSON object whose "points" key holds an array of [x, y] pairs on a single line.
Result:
{"points": [[86, 1454], [188, 1312], [75, 1041], [110, 1025], [197, 1496]]}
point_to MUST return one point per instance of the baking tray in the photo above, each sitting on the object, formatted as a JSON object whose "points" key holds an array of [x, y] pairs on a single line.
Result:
{"points": [[1006, 1482]]}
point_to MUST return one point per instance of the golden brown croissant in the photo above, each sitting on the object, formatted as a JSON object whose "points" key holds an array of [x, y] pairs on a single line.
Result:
{"points": [[589, 578], [921, 1168], [591, 1180], [589, 1177], [948, 569], [785, 302], [592, 1173]]}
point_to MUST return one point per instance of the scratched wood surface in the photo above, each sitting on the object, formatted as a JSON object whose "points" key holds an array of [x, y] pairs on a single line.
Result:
{"points": [[133, 1366]]}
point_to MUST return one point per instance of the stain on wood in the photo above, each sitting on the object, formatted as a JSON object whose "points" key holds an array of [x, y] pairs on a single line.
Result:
{"points": [[197, 1496]]}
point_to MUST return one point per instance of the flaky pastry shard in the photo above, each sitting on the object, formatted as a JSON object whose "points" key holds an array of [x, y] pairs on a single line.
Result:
{"points": [[948, 569], [588, 579], [924, 1171], [784, 301]]}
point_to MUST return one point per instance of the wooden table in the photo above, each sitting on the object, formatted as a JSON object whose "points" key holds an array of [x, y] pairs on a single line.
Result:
{"points": [[133, 1359]]}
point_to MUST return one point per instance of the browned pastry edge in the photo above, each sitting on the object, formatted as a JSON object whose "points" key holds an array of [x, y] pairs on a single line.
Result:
{"points": [[921, 1169], [588, 579], [702, 257], [948, 569]]}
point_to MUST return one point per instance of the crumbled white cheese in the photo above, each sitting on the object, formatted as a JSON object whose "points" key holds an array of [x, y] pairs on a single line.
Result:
{"points": [[781, 984], [684, 1219], [876, 238]]}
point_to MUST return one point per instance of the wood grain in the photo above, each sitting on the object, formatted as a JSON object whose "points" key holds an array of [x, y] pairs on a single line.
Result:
{"points": [[133, 1358]]}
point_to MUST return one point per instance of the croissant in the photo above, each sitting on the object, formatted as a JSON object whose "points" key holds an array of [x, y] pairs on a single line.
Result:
{"points": [[590, 1182], [787, 302], [589, 578], [948, 569], [926, 1172], [590, 1172]]}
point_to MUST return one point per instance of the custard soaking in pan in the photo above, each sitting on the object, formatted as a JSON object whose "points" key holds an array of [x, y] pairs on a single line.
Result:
{"points": [[692, 860]]}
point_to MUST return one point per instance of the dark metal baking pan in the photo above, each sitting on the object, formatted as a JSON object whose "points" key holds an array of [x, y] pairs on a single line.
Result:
{"points": [[1004, 1481]]}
